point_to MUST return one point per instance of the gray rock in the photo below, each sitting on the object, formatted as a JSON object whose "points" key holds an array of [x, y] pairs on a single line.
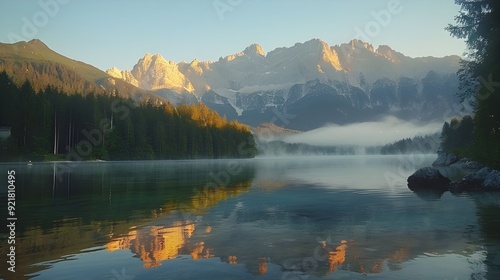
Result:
{"points": [[486, 179], [445, 159], [491, 180], [466, 163], [428, 178]]}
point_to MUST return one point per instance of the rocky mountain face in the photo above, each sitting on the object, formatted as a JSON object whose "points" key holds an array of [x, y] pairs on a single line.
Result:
{"points": [[153, 72], [307, 85]]}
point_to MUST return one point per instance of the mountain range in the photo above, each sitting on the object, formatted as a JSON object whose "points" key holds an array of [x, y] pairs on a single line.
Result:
{"points": [[307, 85], [301, 87]]}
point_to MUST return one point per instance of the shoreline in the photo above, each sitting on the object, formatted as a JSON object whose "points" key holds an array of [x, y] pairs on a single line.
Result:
{"points": [[460, 175], [258, 157]]}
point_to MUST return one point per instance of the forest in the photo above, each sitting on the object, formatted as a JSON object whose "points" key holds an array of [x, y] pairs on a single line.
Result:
{"points": [[477, 137], [418, 144], [53, 125]]}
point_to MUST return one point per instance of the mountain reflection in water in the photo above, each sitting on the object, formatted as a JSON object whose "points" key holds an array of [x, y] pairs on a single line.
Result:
{"points": [[275, 219]]}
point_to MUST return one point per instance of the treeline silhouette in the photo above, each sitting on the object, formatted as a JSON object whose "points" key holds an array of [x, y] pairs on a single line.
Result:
{"points": [[418, 144], [457, 136], [41, 74], [473, 137], [478, 137], [51, 124]]}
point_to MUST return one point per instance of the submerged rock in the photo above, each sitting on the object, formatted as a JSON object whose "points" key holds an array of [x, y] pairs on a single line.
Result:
{"points": [[428, 178]]}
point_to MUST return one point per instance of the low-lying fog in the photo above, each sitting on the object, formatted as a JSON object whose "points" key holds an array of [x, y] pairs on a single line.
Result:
{"points": [[387, 130]]}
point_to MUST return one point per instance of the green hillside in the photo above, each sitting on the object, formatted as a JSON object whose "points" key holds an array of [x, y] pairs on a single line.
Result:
{"points": [[36, 51], [42, 67]]}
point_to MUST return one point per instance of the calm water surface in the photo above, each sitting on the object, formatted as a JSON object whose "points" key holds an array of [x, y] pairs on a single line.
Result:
{"points": [[342, 217]]}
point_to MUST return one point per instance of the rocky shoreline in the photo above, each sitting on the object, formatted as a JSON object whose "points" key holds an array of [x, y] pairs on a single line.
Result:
{"points": [[450, 160], [479, 178]]}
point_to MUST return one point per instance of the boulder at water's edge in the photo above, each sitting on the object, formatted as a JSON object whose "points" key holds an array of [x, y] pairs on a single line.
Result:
{"points": [[428, 178]]}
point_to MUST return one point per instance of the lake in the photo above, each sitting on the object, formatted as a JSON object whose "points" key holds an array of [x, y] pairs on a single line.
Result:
{"points": [[329, 217]]}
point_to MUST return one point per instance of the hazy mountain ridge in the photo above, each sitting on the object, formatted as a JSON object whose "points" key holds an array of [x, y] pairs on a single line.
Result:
{"points": [[314, 82]]}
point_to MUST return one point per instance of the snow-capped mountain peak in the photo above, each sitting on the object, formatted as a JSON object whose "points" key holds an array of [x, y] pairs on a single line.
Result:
{"points": [[312, 80], [255, 69]]}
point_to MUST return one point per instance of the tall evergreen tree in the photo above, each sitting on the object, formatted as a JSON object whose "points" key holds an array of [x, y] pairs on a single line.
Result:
{"points": [[479, 24]]}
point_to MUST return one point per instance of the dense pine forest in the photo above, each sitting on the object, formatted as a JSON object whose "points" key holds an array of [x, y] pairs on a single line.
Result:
{"points": [[418, 144], [53, 125], [478, 137], [47, 73]]}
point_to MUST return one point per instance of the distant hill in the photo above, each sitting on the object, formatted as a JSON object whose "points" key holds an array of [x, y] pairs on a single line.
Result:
{"points": [[36, 51], [42, 67], [270, 131]]}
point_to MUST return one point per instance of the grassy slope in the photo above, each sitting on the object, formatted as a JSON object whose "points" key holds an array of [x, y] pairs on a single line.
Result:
{"points": [[36, 50]]}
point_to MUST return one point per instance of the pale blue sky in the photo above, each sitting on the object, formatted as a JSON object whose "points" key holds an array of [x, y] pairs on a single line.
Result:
{"points": [[119, 33]]}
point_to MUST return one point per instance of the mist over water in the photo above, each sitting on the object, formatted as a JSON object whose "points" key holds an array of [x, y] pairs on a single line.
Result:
{"points": [[262, 219], [365, 134]]}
